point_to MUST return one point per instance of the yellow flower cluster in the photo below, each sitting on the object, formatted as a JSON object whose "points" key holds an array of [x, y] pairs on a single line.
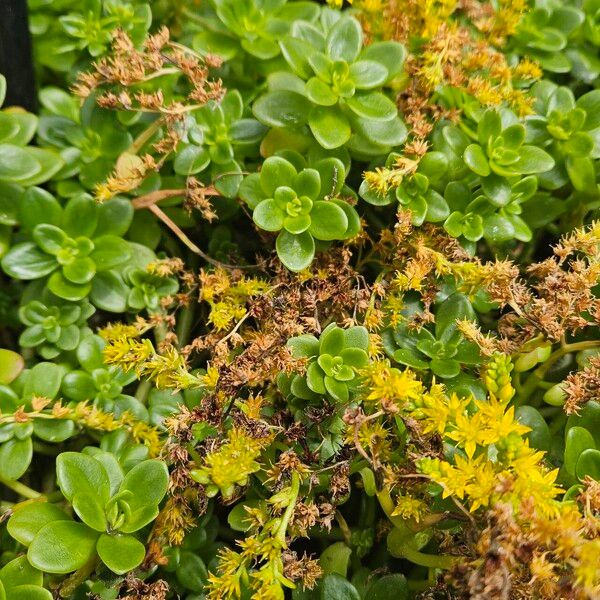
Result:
{"points": [[459, 45], [168, 370], [259, 566], [231, 464], [228, 298], [410, 508], [389, 388], [383, 179], [498, 465], [87, 415]]}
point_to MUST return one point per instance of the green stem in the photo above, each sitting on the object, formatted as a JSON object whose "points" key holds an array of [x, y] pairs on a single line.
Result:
{"points": [[195, 456], [145, 136], [74, 581], [343, 527], [21, 489], [142, 391], [418, 585], [184, 323], [289, 511], [433, 561], [534, 380], [46, 449]]}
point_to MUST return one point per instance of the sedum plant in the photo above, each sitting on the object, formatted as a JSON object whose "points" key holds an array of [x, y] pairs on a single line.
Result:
{"points": [[336, 88], [219, 137], [334, 361], [285, 312], [301, 206], [570, 131], [544, 34], [78, 255], [70, 32], [499, 151], [147, 289], [253, 27], [444, 351], [54, 326], [413, 188], [112, 506]]}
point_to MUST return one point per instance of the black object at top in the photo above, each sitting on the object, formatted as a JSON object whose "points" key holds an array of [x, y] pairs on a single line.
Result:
{"points": [[15, 54]]}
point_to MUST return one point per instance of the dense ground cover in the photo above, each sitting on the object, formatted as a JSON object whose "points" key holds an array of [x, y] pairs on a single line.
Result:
{"points": [[301, 300]]}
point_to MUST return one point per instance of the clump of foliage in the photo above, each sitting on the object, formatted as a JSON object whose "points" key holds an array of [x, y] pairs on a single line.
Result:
{"points": [[300, 300]]}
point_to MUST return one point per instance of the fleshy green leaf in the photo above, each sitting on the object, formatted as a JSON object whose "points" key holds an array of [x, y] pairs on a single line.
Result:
{"points": [[296, 252], [345, 40], [78, 473], [60, 286], [590, 102], [281, 108], [532, 160], [27, 261], [276, 172], [27, 520], [330, 128], [373, 106], [15, 458], [315, 378], [577, 440], [332, 341], [148, 481], [29, 592], [354, 357], [335, 559], [43, 380], [335, 587], [368, 74], [296, 52], [251, 190], [307, 183], [110, 251], [109, 292], [192, 572], [11, 364], [389, 587], [390, 54], [303, 346], [62, 547], [19, 572], [588, 465], [80, 216], [268, 216], [120, 553], [329, 221], [476, 160]]}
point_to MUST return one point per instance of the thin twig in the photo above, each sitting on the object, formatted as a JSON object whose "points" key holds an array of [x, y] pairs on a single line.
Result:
{"points": [[147, 200], [185, 239]]}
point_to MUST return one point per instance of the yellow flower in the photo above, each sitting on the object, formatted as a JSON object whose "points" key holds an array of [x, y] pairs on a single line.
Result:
{"points": [[484, 479], [231, 464], [469, 433], [499, 422], [386, 385], [438, 410], [408, 507]]}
